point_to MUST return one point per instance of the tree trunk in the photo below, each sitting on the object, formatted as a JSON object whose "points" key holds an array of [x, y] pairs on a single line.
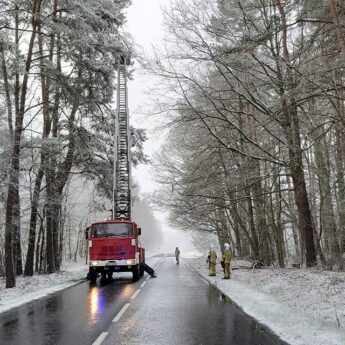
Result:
{"points": [[341, 186], [337, 25], [17, 247], [49, 223], [300, 191], [327, 219], [29, 263], [233, 221], [252, 229], [292, 132], [278, 234], [38, 245], [223, 233], [260, 215], [13, 189], [7, 93], [9, 228]]}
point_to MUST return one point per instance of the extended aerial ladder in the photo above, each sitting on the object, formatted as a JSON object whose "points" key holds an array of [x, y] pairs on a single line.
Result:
{"points": [[122, 160], [122, 200]]}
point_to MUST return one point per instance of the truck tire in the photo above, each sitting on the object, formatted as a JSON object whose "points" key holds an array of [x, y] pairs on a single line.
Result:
{"points": [[92, 276], [136, 273], [141, 270], [103, 276]]}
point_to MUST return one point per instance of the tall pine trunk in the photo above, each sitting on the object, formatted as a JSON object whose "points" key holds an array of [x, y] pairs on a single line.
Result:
{"points": [[13, 189], [290, 123], [305, 221]]}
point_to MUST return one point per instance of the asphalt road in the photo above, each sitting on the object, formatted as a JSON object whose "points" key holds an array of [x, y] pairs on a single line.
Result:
{"points": [[178, 307]]}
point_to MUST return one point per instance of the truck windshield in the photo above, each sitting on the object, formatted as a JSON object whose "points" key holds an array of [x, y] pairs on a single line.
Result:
{"points": [[110, 230]]}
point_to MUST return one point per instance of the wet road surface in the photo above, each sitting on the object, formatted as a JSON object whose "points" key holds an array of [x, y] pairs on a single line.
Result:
{"points": [[73, 316], [182, 308], [179, 307]]}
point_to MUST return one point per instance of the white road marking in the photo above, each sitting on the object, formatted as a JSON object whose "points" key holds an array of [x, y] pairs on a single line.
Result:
{"points": [[143, 284], [121, 312], [100, 338], [135, 293]]}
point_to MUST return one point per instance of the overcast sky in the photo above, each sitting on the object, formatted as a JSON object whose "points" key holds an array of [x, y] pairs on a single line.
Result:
{"points": [[145, 24]]}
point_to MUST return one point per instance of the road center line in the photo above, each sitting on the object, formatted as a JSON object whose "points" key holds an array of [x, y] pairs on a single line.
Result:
{"points": [[121, 312], [143, 284], [100, 338], [135, 293]]}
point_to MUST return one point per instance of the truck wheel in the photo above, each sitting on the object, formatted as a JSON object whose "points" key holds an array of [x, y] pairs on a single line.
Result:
{"points": [[92, 276], [136, 273], [141, 270], [110, 275], [103, 276]]}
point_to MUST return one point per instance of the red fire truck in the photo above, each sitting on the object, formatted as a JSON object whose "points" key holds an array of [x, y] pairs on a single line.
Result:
{"points": [[114, 244]]}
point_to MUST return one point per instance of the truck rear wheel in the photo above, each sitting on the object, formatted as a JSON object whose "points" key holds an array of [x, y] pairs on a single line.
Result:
{"points": [[104, 276], [136, 273], [92, 276]]}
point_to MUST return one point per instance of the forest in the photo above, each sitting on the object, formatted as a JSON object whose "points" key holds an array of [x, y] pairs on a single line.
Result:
{"points": [[57, 80], [251, 94]]}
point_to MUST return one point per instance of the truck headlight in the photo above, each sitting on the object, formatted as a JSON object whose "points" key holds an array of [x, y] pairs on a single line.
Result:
{"points": [[130, 262], [93, 263]]}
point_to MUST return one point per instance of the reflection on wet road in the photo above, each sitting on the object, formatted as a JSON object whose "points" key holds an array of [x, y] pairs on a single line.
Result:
{"points": [[73, 316]]}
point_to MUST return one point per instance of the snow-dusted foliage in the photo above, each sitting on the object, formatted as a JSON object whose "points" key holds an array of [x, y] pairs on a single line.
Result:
{"points": [[58, 78]]}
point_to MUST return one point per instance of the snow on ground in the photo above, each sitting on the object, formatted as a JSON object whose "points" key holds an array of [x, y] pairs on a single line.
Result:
{"points": [[319, 293], [191, 255], [40, 285], [302, 306]]}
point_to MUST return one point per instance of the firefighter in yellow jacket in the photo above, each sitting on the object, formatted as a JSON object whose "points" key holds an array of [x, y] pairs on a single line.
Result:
{"points": [[212, 261], [226, 260]]}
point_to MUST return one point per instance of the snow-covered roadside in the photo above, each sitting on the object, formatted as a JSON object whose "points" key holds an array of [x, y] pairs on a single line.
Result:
{"points": [[319, 293], [38, 286], [298, 305]]}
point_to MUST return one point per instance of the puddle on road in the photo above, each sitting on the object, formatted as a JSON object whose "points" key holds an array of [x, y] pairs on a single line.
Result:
{"points": [[240, 328]]}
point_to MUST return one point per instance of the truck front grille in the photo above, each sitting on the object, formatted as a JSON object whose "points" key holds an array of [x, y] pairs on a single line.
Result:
{"points": [[111, 251], [106, 252]]}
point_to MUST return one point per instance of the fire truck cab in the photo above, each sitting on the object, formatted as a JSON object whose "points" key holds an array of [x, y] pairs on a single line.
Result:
{"points": [[114, 247]]}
